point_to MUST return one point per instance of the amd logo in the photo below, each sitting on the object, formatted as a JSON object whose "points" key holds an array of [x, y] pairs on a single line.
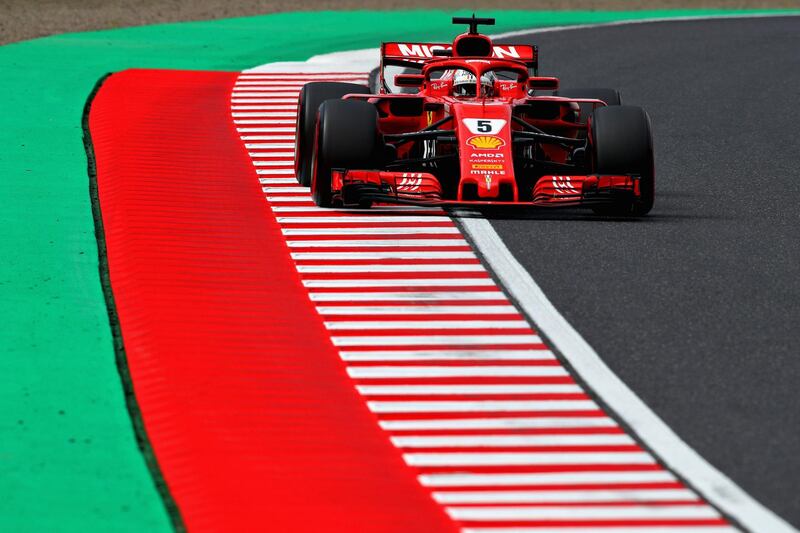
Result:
{"points": [[486, 155]]}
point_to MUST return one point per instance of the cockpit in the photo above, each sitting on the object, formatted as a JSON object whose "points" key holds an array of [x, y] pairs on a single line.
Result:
{"points": [[466, 83]]}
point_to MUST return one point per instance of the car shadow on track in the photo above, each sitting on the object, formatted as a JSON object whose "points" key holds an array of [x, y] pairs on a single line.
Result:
{"points": [[671, 206]]}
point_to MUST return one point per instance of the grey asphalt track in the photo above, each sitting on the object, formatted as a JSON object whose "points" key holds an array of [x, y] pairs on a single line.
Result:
{"points": [[697, 307]]}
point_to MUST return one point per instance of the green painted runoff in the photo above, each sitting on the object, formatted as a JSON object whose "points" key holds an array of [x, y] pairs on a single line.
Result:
{"points": [[68, 457]]}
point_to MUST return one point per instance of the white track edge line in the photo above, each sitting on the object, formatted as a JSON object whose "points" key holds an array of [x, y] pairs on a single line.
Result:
{"points": [[656, 434], [714, 485]]}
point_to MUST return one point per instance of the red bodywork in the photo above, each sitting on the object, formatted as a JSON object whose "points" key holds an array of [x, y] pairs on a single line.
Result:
{"points": [[486, 133]]}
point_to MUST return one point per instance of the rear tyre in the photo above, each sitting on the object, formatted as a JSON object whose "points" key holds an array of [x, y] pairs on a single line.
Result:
{"points": [[346, 137], [312, 95], [622, 143]]}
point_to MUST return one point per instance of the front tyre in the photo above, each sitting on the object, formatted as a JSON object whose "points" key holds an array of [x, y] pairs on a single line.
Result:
{"points": [[622, 143], [312, 95], [346, 137]]}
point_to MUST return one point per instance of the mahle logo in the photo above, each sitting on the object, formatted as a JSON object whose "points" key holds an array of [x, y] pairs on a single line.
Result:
{"points": [[485, 142]]}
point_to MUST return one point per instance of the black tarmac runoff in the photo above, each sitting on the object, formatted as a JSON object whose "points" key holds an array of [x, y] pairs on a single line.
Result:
{"points": [[697, 306]]}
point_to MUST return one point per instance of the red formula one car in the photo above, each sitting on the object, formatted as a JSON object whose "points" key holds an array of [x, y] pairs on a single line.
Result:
{"points": [[466, 124]]}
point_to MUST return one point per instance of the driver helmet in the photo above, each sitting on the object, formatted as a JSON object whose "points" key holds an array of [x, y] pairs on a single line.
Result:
{"points": [[464, 83]]}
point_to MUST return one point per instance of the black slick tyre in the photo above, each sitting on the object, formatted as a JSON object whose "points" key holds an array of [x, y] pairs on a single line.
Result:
{"points": [[346, 137], [622, 143], [312, 95]]}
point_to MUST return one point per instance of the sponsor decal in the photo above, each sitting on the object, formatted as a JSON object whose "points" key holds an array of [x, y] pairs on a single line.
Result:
{"points": [[485, 142], [487, 166], [409, 182], [503, 52], [489, 126], [563, 185], [418, 50], [487, 173], [485, 157]]}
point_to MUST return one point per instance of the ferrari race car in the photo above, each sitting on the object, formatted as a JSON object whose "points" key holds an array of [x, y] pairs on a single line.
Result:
{"points": [[467, 124]]}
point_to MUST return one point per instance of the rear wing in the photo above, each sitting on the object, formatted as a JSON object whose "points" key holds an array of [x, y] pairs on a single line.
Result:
{"points": [[415, 53]]}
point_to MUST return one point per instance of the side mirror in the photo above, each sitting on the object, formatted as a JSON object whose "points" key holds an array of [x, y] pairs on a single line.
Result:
{"points": [[543, 84], [409, 80]]}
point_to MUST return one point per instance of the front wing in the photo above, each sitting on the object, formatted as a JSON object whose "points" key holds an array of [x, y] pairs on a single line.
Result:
{"points": [[361, 187]]}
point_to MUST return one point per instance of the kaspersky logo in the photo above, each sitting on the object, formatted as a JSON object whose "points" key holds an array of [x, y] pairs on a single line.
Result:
{"points": [[485, 142]]}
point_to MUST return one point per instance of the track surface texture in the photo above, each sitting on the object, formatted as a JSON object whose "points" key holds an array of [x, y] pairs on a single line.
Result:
{"points": [[695, 307]]}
